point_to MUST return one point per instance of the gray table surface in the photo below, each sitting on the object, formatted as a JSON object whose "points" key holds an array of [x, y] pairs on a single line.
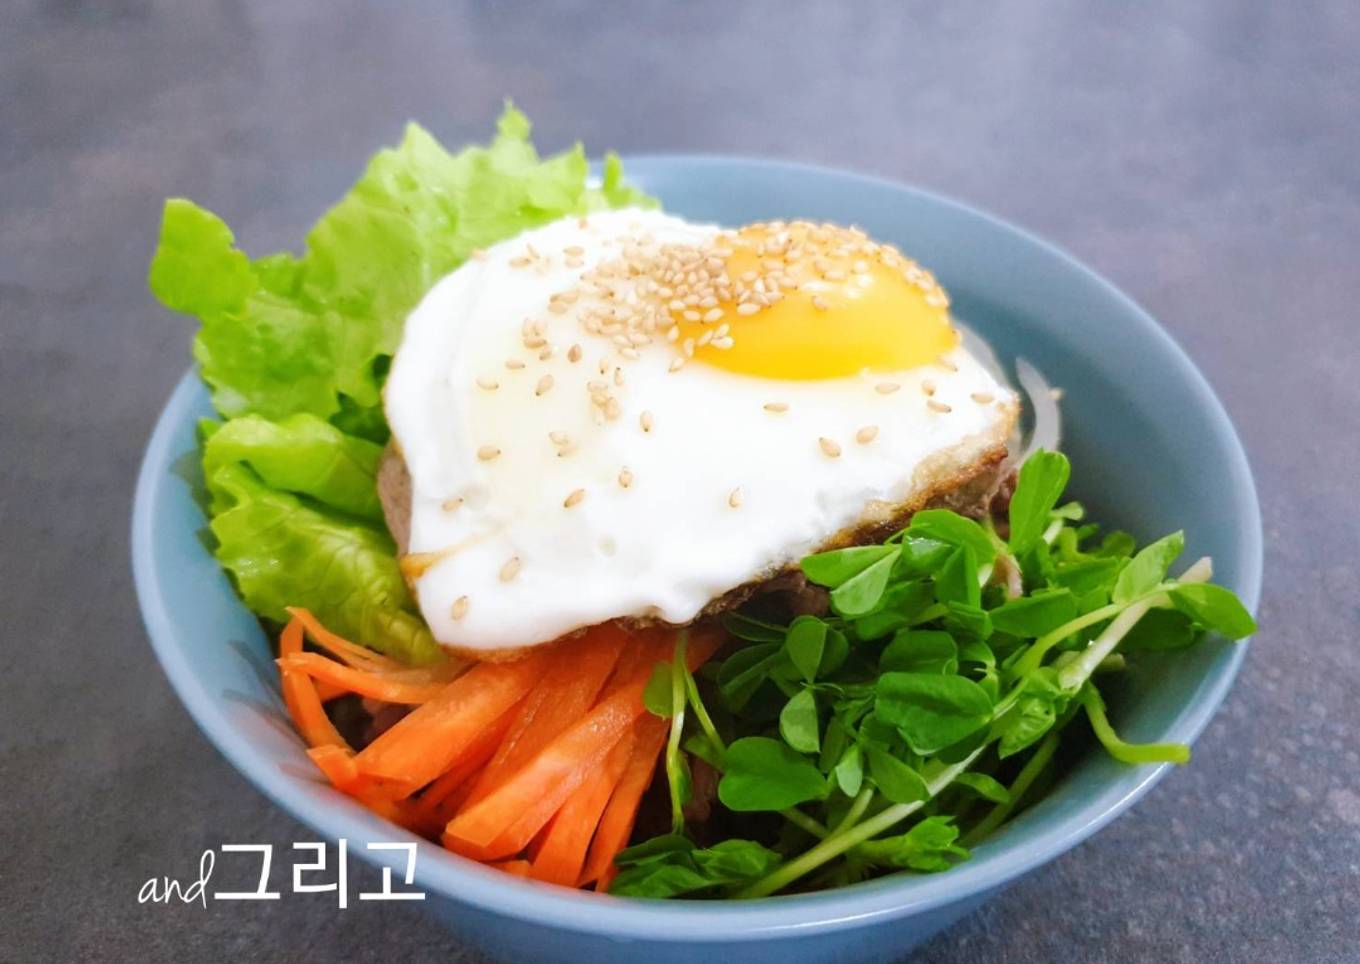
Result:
{"points": [[1203, 156]]}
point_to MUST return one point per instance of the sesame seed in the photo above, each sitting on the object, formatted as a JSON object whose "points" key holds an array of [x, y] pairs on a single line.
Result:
{"points": [[544, 385], [676, 364], [714, 314], [459, 608], [776, 407], [819, 303], [559, 438], [567, 449], [982, 398], [511, 569], [630, 353], [625, 477], [519, 261], [747, 308], [646, 420], [618, 377], [451, 505], [490, 384], [886, 388], [835, 274], [829, 447], [946, 364], [488, 452], [514, 364], [573, 251], [734, 497], [574, 354], [723, 343], [574, 498], [612, 409], [867, 434], [928, 388], [935, 406]]}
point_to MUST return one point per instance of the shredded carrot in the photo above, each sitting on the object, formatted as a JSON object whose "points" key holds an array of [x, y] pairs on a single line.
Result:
{"points": [[337, 763], [569, 686], [516, 868], [440, 800], [563, 852], [440, 733], [355, 655], [534, 767], [300, 696], [539, 789], [616, 824], [388, 688], [328, 691]]}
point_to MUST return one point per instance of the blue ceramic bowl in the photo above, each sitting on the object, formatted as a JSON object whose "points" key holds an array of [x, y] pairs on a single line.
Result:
{"points": [[1152, 450]]}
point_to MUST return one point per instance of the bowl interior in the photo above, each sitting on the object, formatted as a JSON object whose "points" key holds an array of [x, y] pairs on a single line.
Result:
{"points": [[1152, 451]]}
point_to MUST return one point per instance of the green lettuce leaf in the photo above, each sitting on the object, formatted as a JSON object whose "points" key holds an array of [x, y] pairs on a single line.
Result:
{"points": [[285, 552], [304, 455], [295, 349], [286, 334]]}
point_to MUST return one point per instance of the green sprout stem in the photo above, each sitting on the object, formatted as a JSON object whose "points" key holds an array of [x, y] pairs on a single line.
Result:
{"points": [[1017, 790], [674, 777], [842, 841], [701, 711], [856, 811], [1080, 670], [1117, 748], [1073, 676], [801, 820]]}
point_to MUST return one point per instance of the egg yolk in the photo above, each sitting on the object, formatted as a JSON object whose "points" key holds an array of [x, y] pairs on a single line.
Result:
{"points": [[805, 301]]}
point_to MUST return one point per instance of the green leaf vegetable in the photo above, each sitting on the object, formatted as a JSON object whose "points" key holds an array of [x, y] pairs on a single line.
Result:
{"points": [[295, 349], [927, 708]]}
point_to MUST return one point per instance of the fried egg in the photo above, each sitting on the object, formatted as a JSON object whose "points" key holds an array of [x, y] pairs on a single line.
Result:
{"points": [[630, 415]]}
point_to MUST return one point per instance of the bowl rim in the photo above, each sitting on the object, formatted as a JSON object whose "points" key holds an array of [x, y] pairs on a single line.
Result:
{"points": [[452, 877]]}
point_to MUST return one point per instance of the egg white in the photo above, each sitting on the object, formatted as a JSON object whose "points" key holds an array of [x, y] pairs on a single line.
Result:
{"points": [[722, 490]]}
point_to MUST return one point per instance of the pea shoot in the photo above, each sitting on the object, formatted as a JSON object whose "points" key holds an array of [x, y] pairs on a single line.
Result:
{"points": [[928, 706]]}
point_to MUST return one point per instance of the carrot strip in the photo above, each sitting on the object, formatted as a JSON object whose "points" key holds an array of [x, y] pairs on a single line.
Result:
{"points": [[339, 766], [569, 686], [538, 790], [438, 734], [388, 689], [535, 845], [516, 868], [437, 803], [337, 763], [563, 852], [328, 691], [300, 696], [616, 824], [341, 648]]}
